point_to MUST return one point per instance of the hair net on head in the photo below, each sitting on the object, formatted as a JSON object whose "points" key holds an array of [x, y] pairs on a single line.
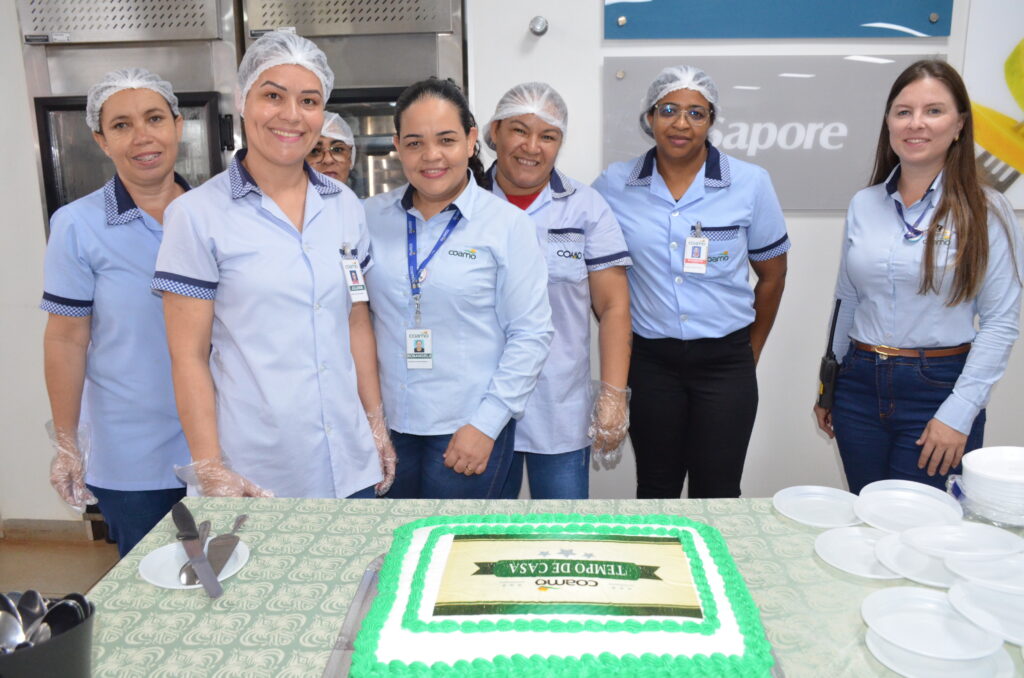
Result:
{"points": [[538, 98], [672, 79], [335, 127], [277, 48], [125, 78]]}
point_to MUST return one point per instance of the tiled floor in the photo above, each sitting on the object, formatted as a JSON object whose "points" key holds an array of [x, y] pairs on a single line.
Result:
{"points": [[53, 568]]}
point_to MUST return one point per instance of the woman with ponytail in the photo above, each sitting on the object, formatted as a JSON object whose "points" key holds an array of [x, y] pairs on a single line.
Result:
{"points": [[929, 289], [460, 305]]}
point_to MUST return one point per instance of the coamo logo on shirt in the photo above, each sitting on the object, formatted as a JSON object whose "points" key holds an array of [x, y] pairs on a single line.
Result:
{"points": [[722, 256], [761, 136], [467, 253], [569, 255]]}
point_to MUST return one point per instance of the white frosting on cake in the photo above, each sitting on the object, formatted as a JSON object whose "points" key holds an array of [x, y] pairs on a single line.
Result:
{"points": [[397, 643]]}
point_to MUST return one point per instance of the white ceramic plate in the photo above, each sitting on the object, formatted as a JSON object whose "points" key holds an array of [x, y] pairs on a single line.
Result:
{"points": [[923, 621], [898, 509], [816, 506], [963, 540], [161, 567], [910, 563], [913, 665], [997, 612], [852, 550], [1001, 574], [907, 485]]}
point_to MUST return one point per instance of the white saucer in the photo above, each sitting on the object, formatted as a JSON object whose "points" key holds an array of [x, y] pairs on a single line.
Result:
{"points": [[1002, 574], [816, 506], [911, 563], [913, 665], [997, 612], [963, 540], [898, 509], [161, 567], [924, 622], [852, 550], [906, 485]]}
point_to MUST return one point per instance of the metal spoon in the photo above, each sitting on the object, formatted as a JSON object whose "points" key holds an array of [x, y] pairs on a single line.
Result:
{"points": [[8, 606], [186, 575], [62, 616], [41, 634], [31, 607], [11, 633]]}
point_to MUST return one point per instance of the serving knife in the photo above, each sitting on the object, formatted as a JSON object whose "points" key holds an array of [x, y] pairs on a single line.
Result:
{"points": [[223, 545], [188, 535]]}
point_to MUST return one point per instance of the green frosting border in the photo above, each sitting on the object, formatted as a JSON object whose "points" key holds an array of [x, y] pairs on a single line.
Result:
{"points": [[756, 662], [710, 623]]}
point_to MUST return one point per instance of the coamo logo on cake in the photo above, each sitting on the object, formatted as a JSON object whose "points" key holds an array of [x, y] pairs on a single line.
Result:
{"points": [[467, 253], [754, 137]]}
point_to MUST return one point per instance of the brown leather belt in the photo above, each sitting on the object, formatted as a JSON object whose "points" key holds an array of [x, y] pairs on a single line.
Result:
{"points": [[891, 352]]}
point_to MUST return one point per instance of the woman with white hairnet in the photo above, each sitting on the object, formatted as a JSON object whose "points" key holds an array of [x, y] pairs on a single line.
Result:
{"points": [[116, 432], [695, 219], [335, 151], [272, 350], [586, 261]]}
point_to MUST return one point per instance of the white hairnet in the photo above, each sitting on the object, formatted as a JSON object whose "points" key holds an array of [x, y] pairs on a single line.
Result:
{"points": [[674, 78], [538, 98], [335, 127], [125, 78], [278, 48]]}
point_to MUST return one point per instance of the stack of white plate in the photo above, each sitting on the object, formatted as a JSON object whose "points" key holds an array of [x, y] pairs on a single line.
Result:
{"points": [[993, 480]]}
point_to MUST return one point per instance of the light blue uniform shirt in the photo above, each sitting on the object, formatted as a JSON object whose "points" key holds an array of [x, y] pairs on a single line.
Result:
{"points": [[880, 274], [740, 216], [99, 261], [288, 411], [578, 234], [485, 300]]}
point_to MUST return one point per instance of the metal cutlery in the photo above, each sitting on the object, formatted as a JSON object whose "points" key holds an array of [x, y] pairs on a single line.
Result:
{"points": [[187, 575], [223, 545], [188, 535]]}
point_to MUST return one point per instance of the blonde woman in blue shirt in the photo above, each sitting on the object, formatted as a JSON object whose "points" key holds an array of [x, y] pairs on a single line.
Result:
{"points": [[928, 251]]}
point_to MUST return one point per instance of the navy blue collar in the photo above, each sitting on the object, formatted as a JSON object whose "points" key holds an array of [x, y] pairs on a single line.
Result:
{"points": [[242, 182], [407, 195], [716, 168], [891, 184], [561, 186], [119, 204]]}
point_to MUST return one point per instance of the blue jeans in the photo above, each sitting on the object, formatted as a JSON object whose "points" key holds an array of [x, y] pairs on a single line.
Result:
{"points": [[365, 493], [881, 408], [551, 476], [421, 473], [130, 515]]}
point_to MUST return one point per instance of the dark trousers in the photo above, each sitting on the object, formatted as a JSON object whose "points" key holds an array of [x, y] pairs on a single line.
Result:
{"points": [[131, 514], [692, 412]]}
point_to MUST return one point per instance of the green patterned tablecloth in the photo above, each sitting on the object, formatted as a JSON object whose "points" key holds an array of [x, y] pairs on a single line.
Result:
{"points": [[280, 615]]}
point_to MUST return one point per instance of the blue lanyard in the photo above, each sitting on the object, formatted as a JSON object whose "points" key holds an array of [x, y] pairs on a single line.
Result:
{"points": [[416, 270], [913, 233]]}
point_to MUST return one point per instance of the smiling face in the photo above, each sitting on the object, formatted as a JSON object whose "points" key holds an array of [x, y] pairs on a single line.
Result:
{"points": [[678, 139], [527, 148], [283, 114], [923, 122], [434, 150], [331, 157], [140, 135]]}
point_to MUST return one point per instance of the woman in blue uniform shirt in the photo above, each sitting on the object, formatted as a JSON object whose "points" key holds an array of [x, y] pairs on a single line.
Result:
{"points": [[586, 258], [459, 270], [272, 349], [698, 326], [927, 252], [105, 351]]}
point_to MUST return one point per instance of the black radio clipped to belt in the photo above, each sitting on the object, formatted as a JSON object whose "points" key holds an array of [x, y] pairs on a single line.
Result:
{"points": [[829, 369]]}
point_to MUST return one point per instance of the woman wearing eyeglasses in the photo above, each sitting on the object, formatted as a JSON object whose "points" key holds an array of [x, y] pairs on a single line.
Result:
{"points": [[335, 151], [694, 219]]}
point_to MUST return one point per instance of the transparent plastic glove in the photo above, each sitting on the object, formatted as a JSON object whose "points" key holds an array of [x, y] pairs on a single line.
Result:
{"points": [[67, 470], [609, 423], [385, 450], [214, 478]]}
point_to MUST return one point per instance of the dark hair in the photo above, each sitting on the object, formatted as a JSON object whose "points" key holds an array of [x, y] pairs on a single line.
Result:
{"points": [[445, 90], [963, 199]]}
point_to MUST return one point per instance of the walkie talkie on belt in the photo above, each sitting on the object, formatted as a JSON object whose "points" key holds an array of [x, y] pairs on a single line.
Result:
{"points": [[829, 369]]}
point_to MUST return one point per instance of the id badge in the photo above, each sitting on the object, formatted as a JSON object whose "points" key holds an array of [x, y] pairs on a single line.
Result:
{"points": [[354, 279], [419, 349], [695, 258]]}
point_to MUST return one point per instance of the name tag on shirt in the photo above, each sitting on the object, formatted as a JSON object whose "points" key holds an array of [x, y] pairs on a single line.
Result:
{"points": [[695, 256], [419, 349], [354, 279]]}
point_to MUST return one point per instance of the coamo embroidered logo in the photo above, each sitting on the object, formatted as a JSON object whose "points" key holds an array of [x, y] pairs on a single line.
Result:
{"points": [[467, 253], [569, 254], [722, 256]]}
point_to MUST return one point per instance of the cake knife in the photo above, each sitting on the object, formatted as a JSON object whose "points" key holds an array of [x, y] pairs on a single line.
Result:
{"points": [[223, 545], [188, 535]]}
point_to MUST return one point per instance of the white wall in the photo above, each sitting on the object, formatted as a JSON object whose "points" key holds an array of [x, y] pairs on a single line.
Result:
{"points": [[786, 448]]}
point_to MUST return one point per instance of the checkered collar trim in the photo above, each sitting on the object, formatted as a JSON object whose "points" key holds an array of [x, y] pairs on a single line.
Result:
{"points": [[119, 205], [561, 186], [716, 169], [242, 182]]}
